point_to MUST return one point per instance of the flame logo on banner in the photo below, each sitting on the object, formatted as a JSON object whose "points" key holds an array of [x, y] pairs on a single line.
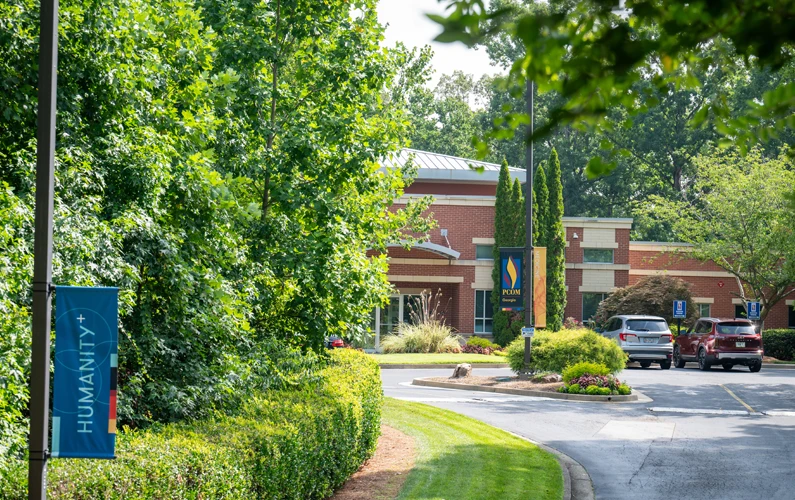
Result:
{"points": [[513, 273]]}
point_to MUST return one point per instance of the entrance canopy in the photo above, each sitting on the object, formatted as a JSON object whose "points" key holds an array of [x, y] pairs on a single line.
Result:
{"points": [[442, 250]]}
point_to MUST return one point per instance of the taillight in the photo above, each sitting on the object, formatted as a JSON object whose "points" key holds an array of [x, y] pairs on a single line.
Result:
{"points": [[337, 343], [667, 336]]}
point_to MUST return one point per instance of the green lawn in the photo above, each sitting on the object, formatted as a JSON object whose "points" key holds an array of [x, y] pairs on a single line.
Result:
{"points": [[436, 359], [462, 458]]}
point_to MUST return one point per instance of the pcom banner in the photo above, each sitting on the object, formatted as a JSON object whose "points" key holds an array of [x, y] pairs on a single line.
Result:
{"points": [[86, 361], [511, 279]]}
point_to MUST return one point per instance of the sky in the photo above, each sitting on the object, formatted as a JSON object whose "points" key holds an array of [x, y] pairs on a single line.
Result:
{"points": [[407, 23]]}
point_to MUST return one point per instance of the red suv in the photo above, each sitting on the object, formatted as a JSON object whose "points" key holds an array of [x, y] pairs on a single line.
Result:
{"points": [[725, 342]]}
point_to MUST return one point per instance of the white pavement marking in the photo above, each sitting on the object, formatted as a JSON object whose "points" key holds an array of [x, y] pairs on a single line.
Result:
{"points": [[628, 429], [780, 413], [474, 400], [697, 411]]}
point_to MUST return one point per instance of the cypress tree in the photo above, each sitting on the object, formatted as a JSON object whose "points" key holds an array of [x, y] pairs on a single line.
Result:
{"points": [[540, 208], [556, 246], [518, 212], [504, 236]]}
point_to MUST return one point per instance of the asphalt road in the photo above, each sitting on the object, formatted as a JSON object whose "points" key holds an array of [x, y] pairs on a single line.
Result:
{"points": [[716, 435]]}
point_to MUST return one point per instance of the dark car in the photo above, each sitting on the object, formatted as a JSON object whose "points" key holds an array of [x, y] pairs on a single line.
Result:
{"points": [[725, 342]]}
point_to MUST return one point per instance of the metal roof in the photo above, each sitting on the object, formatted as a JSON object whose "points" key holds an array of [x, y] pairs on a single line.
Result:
{"points": [[435, 166]]}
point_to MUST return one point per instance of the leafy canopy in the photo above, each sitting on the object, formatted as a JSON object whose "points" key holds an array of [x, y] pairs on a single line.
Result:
{"points": [[593, 54]]}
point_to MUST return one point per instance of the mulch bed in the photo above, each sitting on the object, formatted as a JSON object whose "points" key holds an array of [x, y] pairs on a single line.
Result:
{"points": [[382, 477], [508, 382]]}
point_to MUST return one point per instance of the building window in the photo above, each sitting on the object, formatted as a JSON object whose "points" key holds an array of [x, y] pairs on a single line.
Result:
{"points": [[791, 321], [704, 310], [389, 316], [484, 252], [484, 311], [597, 255], [739, 311], [590, 303]]}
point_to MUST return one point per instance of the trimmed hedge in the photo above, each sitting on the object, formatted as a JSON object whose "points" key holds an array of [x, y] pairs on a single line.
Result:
{"points": [[290, 444], [554, 351], [779, 343]]}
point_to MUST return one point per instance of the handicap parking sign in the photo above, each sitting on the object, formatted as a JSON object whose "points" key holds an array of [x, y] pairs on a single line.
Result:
{"points": [[754, 310], [680, 309]]}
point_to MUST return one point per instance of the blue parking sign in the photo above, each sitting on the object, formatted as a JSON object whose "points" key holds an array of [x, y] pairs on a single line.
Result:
{"points": [[754, 310], [680, 309]]}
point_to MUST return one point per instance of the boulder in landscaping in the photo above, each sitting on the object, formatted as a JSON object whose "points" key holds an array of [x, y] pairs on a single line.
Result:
{"points": [[552, 377], [462, 370]]}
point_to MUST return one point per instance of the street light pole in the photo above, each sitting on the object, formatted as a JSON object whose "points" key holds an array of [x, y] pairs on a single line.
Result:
{"points": [[42, 253], [528, 311]]}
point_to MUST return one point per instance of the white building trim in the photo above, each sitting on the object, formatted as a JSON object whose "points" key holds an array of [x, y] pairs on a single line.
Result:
{"points": [[425, 279], [656, 246], [703, 300], [675, 272]]}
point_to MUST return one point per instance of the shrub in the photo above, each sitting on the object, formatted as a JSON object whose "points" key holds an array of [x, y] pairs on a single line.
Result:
{"points": [[575, 389], [604, 391], [475, 349], [481, 342], [624, 389], [554, 351], [290, 444], [652, 295], [582, 368], [592, 390], [430, 336], [571, 323], [779, 344]]}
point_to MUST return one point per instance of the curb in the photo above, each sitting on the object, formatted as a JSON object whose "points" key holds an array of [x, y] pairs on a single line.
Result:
{"points": [[777, 366], [527, 392], [577, 484], [440, 366]]}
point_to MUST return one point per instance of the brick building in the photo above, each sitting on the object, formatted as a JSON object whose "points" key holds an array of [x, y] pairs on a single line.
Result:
{"points": [[457, 259]]}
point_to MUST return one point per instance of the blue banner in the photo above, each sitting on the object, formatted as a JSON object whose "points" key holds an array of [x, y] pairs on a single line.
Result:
{"points": [[511, 273], [86, 361]]}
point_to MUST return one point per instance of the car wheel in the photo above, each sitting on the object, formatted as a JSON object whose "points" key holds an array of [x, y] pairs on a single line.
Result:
{"points": [[645, 364], [755, 367], [665, 365], [703, 364], [678, 361], [728, 366]]}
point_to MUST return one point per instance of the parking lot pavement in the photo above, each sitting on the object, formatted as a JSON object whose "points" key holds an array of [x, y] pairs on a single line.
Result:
{"points": [[718, 450], [716, 389]]}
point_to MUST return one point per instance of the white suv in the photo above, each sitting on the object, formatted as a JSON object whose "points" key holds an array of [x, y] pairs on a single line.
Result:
{"points": [[646, 339]]}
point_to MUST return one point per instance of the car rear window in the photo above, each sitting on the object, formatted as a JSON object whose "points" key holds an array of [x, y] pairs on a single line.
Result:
{"points": [[647, 325], [736, 328]]}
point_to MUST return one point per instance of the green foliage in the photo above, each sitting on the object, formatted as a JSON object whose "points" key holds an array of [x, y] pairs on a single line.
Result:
{"points": [[741, 220], [481, 342], [508, 221], [554, 351], [652, 296], [585, 367], [574, 389], [561, 47], [541, 207], [298, 443], [624, 390], [219, 163], [518, 208], [594, 390], [779, 343], [427, 337], [556, 248]]}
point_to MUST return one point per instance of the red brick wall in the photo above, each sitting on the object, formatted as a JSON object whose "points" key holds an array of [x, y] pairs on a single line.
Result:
{"points": [[462, 223], [621, 254], [460, 189], [721, 289]]}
